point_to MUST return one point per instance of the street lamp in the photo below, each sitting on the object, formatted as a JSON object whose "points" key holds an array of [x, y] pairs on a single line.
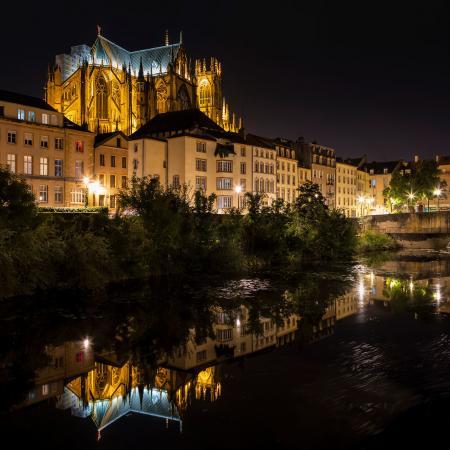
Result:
{"points": [[437, 192], [238, 190], [86, 182], [361, 201]]}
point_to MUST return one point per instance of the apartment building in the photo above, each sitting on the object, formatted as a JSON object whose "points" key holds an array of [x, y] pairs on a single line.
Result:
{"points": [[186, 147], [110, 168], [50, 152], [322, 162], [264, 167], [287, 174], [346, 191]]}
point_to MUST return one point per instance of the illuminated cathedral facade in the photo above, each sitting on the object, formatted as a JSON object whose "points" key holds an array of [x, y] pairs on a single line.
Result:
{"points": [[107, 88]]}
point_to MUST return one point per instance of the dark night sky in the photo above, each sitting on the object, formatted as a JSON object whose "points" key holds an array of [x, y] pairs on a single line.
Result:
{"points": [[366, 78]]}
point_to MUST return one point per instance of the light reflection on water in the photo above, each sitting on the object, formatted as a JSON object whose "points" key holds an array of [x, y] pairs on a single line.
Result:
{"points": [[360, 337]]}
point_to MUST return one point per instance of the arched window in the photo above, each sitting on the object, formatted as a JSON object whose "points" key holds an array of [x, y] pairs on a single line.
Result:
{"points": [[183, 97], [267, 186], [261, 185], [272, 187], [256, 185], [261, 167], [102, 98], [205, 94]]}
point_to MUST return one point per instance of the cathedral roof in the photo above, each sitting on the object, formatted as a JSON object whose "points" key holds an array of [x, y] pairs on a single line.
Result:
{"points": [[26, 100], [154, 60]]}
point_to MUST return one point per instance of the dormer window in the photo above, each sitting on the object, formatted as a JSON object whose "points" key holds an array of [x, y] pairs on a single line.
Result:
{"points": [[371, 171], [385, 170], [31, 116], [21, 114]]}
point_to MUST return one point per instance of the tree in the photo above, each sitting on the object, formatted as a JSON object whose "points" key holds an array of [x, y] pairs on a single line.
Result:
{"points": [[17, 203], [414, 187]]}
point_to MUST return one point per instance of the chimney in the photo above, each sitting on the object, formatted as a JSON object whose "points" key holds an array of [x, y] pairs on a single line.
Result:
{"points": [[437, 159], [416, 158]]}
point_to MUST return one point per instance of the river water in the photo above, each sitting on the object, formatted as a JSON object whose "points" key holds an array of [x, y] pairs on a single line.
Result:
{"points": [[355, 356]]}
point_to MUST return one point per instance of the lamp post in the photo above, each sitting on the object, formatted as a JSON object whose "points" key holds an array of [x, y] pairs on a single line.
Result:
{"points": [[361, 201], [411, 198], [86, 183], [437, 192], [238, 190]]}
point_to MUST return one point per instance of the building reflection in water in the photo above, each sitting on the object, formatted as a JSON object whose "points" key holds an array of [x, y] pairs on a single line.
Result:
{"points": [[100, 387]]}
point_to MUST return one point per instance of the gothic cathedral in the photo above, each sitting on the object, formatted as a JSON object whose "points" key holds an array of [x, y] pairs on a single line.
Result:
{"points": [[107, 88]]}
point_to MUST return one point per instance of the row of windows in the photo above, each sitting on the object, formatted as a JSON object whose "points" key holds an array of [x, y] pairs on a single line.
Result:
{"points": [[261, 153], [262, 186], [112, 161], [221, 166], [28, 139], [286, 194], [346, 170], [264, 168], [284, 178], [349, 190], [286, 153], [112, 181], [288, 166], [347, 180], [30, 116], [11, 162]]}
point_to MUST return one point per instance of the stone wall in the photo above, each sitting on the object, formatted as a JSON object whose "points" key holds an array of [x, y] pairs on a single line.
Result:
{"points": [[416, 223]]}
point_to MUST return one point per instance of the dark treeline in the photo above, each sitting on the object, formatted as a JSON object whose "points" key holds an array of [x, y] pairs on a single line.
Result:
{"points": [[162, 232]]}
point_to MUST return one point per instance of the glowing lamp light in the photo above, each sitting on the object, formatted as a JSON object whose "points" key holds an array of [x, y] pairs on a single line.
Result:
{"points": [[86, 181], [360, 199], [86, 343], [238, 189], [411, 195], [238, 322], [437, 192]]}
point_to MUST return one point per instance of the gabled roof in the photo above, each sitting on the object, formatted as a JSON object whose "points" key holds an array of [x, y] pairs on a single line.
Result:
{"points": [[26, 100], [72, 125], [154, 60], [177, 121], [101, 138]]}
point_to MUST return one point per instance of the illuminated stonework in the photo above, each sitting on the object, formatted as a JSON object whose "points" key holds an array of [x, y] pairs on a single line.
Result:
{"points": [[108, 88]]}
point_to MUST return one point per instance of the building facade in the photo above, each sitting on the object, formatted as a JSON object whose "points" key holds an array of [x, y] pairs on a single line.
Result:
{"points": [[346, 191], [188, 148], [51, 153], [107, 88], [287, 176], [322, 162]]}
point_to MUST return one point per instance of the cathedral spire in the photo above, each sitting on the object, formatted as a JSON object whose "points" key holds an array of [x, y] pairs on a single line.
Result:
{"points": [[141, 71], [166, 38], [99, 30], [181, 36]]}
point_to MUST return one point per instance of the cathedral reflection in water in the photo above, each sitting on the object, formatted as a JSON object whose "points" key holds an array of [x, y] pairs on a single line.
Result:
{"points": [[98, 385]]}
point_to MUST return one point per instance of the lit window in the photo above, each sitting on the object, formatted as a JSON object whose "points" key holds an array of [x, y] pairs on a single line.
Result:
{"points": [[43, 166], [200, 183], [224, 166], [101, 179], [21, 114], [11, 162], [45, 119], [124, 162], [77, 196], [113, 161], [102, 159], [112, 181], [224, 201], [224, 183], [28, 165], [45, 389], [243, 168], [31, 116]]}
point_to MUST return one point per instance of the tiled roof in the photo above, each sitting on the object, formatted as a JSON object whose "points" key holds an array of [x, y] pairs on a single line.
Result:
{"points": [[378, 167], [26, 100], [69, 124], [259, 141], [154, 60], [177, 121]]}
